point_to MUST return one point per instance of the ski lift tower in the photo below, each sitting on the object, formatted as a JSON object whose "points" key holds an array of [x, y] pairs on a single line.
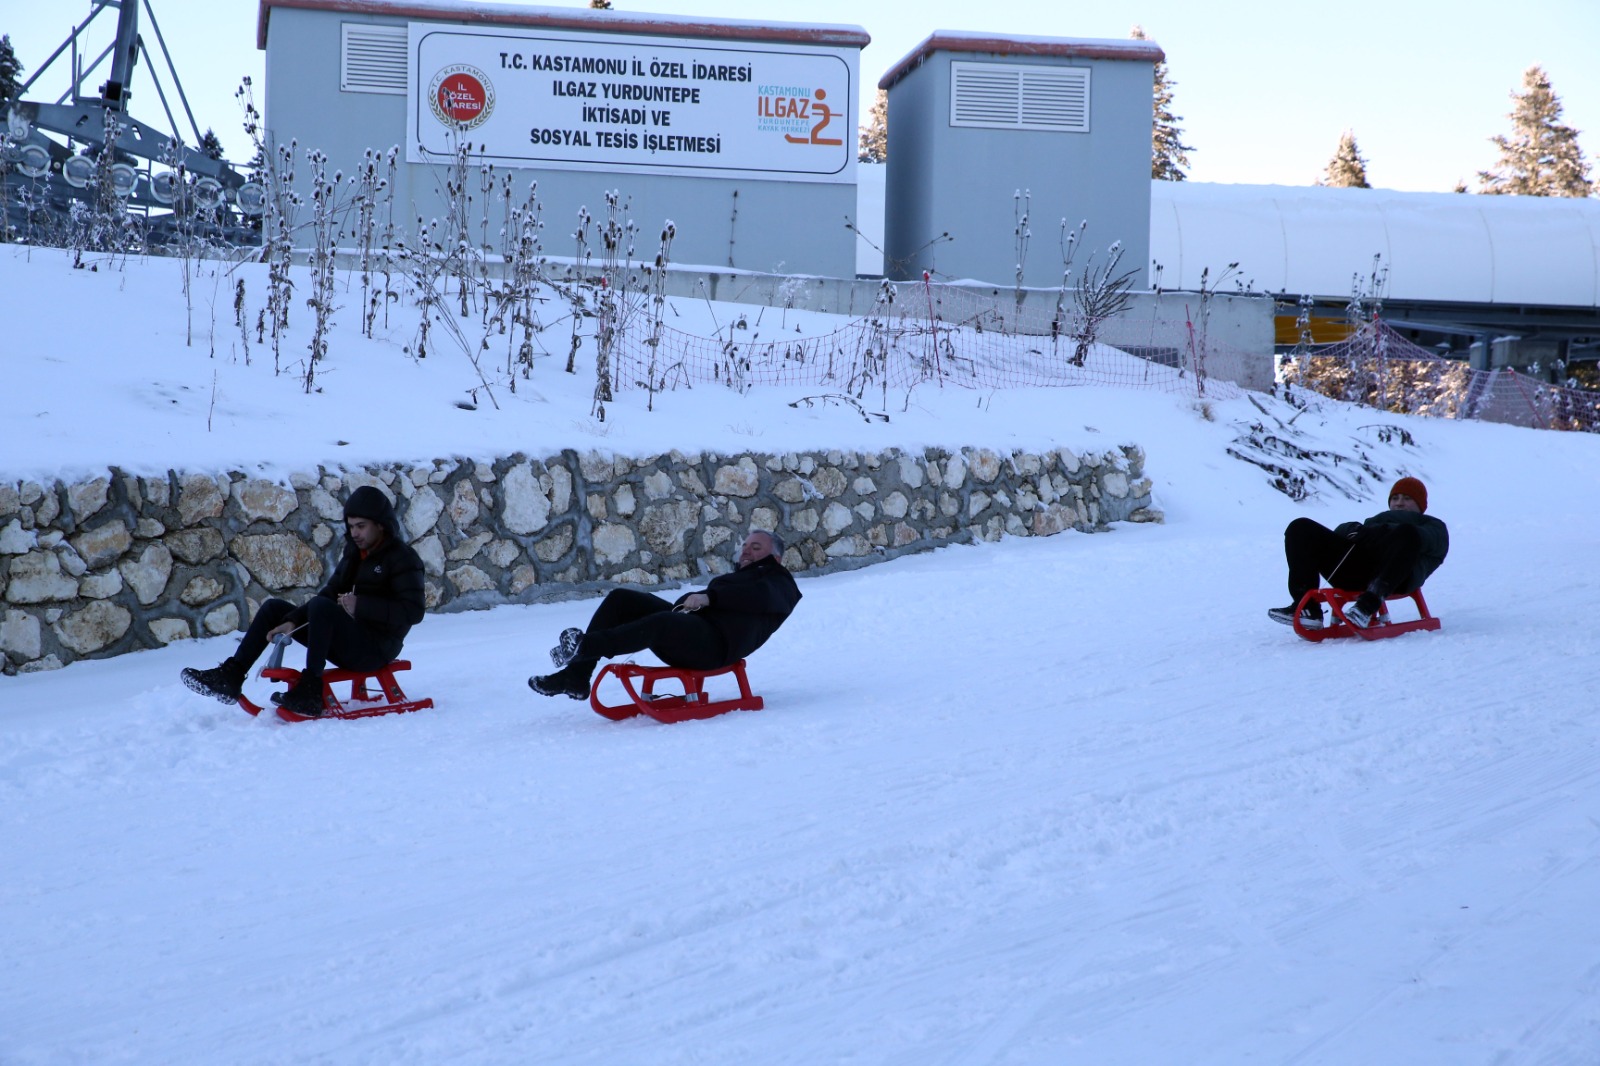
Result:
{"points": [[147, 168]]}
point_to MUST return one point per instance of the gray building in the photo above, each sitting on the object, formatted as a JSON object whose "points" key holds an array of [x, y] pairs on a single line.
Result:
{"points": [[975, 119], [743, 134]]}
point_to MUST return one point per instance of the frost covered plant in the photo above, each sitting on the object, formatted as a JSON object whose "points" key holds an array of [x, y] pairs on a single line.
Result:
{"points": [[324, 230], [1100, 295]]}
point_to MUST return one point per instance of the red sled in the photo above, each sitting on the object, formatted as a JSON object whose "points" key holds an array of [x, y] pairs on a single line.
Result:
{"points": [[360, 703], [667, 706], [1382, 627]]}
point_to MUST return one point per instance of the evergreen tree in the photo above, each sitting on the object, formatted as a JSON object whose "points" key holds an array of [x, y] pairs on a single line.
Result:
{"points": [[10, 74], [600, 5], [1541, 157], [1346, 170], [874, 136], [211, 145], [1168, 154]]}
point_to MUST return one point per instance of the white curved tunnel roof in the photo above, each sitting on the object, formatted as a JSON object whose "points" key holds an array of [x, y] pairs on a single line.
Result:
{"points": [[1453, 247]]}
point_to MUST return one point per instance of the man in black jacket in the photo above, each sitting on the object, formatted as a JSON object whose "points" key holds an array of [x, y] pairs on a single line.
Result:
{"points": [[1389, 554], [733, 617], [357, 621]]}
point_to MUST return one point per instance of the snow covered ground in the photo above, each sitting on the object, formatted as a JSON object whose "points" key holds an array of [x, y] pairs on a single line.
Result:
{"points": [[1041, 801]]}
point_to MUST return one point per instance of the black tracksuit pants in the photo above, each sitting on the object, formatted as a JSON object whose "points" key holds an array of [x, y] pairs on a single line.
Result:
{"points": [[628, 621], [329, 635], [1380, 559]]}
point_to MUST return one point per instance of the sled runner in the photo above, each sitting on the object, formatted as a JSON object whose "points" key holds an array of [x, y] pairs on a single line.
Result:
{"points": [[1381, 628], [671, 707], [360, 703]]}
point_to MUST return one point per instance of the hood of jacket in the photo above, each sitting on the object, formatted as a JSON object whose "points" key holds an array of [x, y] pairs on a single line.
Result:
{"points": [[370, 503]]}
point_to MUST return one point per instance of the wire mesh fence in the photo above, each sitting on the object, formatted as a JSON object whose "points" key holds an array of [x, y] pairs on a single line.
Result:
{"points": [[922, 333], [1380, 368]]}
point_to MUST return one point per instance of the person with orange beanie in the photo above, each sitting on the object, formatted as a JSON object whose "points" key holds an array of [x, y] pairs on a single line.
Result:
{"points": [[1389, 554]]}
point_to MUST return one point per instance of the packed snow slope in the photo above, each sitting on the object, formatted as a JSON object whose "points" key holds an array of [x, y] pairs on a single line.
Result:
{"points": [[1068, 800]]}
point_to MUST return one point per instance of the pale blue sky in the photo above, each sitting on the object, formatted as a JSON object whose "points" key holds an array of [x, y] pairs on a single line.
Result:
{"points": [[1264, 89]]}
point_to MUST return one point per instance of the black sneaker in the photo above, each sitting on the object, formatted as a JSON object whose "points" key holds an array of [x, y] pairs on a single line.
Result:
{"points": [[223, 682], [1311, 617], [1361, 613], [304, 697], [566, 648], [564, 682]]}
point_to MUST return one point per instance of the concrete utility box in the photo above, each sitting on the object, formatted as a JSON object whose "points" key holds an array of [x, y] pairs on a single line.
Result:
{"points": [[741, 133], [976, 118]]}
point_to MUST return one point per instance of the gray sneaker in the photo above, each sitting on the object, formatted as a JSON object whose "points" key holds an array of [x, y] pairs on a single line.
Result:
{"points": [[566, 648], [1362, 612]]}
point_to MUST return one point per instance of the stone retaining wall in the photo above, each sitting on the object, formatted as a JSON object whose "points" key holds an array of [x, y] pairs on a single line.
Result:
{"points": [[120, 562]]}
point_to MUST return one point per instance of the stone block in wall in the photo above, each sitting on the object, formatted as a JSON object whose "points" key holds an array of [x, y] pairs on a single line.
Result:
{"points": [[523, 578], [201, 589], [10, 499], [1115, 483], [524, 508], [199, 498], [37, 578], [20, 635], [622, 499], [147, 574], [15, 540], [665, 526], [103, 544], [829, 482], [554, 544], [170, 630], [100, 586], [469, 547], [613, 543], [71, 561], [836, 518], [261, 500], [278, 560], [469, 578], [692, 483], [738, 479], [422, 511], [463, 505], [657, 485], [224, 619], [86, 498], [431, 550], [93, 627], [954, 474], [195, 546], [47, 510], [325, 505], [638, 576], [984, 465]]}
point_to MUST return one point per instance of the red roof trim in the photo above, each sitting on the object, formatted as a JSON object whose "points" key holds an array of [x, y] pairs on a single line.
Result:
{"points": [[1133, 50], [594, 22]]}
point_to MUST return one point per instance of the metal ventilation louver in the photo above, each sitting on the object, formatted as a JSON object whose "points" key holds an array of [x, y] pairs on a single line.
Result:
{"points": [[372, 59], [1005, 96]]}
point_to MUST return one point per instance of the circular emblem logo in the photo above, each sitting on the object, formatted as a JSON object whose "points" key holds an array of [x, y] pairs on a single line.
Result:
{"points": [[462, 96]]}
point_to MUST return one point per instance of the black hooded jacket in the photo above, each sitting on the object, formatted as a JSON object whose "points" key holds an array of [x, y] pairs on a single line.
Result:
{"points": [[387, 583], [748, 605]]}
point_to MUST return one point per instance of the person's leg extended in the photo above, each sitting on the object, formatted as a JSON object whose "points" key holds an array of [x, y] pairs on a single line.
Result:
{"points": [[678, 638]]}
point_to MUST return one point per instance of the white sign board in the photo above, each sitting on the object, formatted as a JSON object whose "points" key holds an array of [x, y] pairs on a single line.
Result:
{"points": [[543, 98]]}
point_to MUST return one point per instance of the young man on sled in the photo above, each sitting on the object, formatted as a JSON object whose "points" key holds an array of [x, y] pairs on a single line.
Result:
{"points": [[731, 618], [1387, 555], [357, 621]]}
